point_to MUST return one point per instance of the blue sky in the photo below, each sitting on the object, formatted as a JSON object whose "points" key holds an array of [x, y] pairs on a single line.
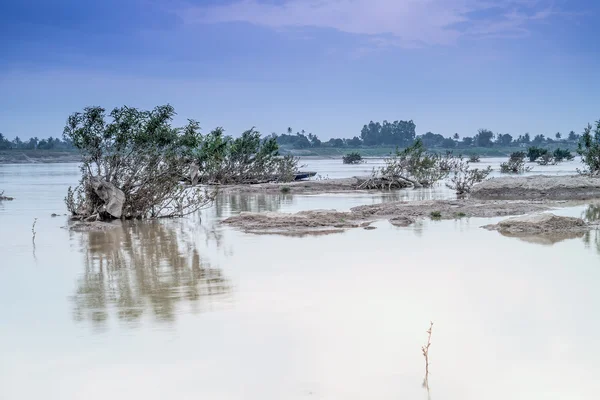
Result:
{"points": [[326, 66]]}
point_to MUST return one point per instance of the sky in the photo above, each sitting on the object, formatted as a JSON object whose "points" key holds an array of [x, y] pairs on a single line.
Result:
{"points": [[325, 66]]}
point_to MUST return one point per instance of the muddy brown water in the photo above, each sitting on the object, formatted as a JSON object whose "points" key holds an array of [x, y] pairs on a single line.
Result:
{"points": [[193, 309]]}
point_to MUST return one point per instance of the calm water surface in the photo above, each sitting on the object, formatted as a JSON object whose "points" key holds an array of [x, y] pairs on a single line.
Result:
{"points": [[191, 309]]}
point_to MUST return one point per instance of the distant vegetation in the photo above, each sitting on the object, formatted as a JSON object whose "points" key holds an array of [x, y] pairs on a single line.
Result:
{"points": [[374, 138], [403, 134], [352, 158], [515, 164], [35, 143]]}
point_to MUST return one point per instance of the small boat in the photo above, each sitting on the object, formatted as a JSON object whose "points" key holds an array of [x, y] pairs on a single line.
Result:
{"points": [[300, 175]]}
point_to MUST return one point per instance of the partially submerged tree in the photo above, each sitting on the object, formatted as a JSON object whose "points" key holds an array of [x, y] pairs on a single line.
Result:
{"points": [[515, 164], [133, 164], [463, 178], [561, 155], [473, 158], [546, 159], [589, 150], [411, 167], [352, 158], [248, 159], [535, 152]]}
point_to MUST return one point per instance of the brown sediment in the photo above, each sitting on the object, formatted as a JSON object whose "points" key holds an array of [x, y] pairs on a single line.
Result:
{"points": [[540, 224], [570, 187], [400, 213]]}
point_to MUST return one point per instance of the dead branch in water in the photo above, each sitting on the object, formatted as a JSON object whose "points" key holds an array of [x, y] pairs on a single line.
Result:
{"points": [[425, 350], [33, 230], [3, 197]]}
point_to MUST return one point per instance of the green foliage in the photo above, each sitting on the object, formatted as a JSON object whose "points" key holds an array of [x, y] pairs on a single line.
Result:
{"points": [[460, 215], [546, 159], [484, 138], [561, 155], [435, 215], [589, 149], [415, 165], [504, 139], [285, 189], [398, 133], [463, 178], [535, 152], [352, 158], [138, 152], [247, 159], [4, 143], [474, 158], [515, 164]]}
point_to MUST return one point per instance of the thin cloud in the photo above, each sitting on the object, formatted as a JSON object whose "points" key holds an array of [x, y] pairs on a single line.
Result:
{"points": [[406, 23]]}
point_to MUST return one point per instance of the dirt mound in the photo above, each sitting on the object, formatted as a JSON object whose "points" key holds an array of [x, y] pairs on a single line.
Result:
{"points": [[540, 223], [315, 221], [573, 187], [448, 209], [398, 214]]}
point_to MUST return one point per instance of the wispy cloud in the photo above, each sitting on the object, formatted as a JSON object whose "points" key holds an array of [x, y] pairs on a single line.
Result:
{"points": [[406, 23]]}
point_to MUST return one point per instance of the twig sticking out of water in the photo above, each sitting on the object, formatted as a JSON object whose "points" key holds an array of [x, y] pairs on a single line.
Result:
{"points": [[33, 230], [425, 350]]}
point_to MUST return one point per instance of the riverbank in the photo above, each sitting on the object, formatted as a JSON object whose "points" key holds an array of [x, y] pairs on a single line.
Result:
{"points": [[384, 151], [38, 156], [401, 213], [492, 198]]}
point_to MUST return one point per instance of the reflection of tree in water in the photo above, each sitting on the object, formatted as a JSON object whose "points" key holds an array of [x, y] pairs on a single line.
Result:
{"points": [[592, 238], [227, 203], [143, 265], [592, 213]]}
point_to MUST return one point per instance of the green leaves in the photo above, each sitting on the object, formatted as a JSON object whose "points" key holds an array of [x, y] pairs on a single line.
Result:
{"points": [[589, 149]]}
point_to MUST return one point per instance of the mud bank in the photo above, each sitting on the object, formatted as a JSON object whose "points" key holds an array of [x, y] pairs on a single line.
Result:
{"points": [[540, 223], [570, 187], [300, 187], [397, 213]]}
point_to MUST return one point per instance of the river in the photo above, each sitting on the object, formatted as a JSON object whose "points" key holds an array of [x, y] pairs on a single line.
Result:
{"points": [[191, 309]]}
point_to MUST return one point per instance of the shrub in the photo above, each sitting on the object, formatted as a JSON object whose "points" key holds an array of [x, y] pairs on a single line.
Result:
{"points": [[546, 159], [515, 164], [435, 215], [415, 165], [133, 164], [561, 155], [285, 189], [463, 178], [535, 152], [474, 158], [589, 149], [352, 158], [248, 159]]}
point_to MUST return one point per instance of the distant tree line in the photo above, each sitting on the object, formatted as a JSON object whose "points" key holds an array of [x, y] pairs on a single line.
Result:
{"points": [[35, 144], [396, 134], [403, 134]]}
